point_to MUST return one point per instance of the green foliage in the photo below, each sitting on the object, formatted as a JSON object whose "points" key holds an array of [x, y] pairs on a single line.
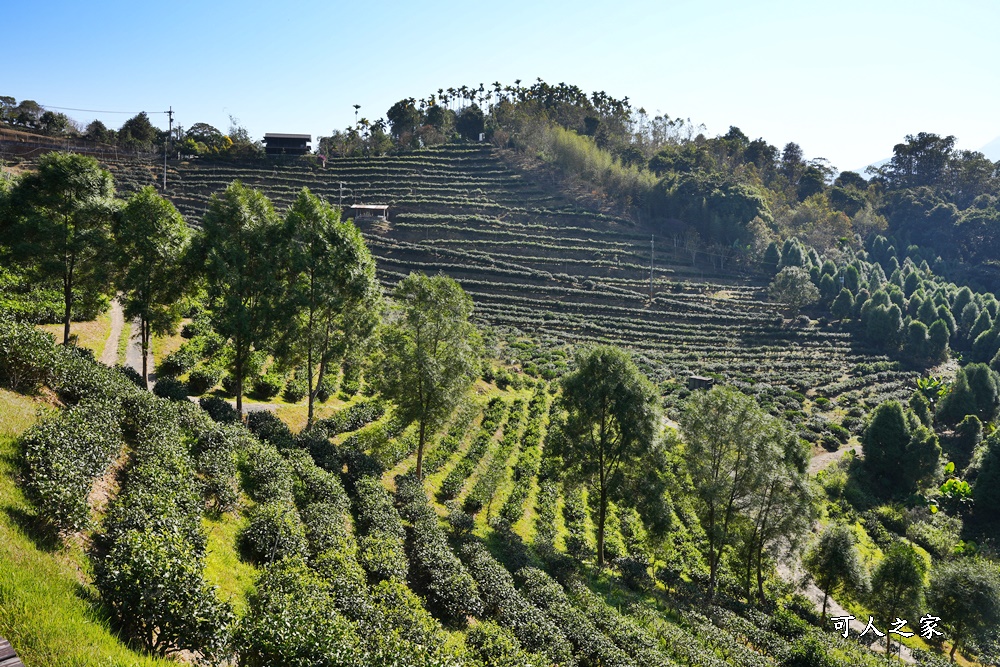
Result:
{"points": [[976, 391], [27, 360], [897, 584], [965, 594], [65, 454], [293, 620], [332, 299], [496, 645], [381, 542], [899, 454], [610, 425], [592, 645], [149, 561], [434, 567], [834, 561], [239, 229], [794, 288], [63, 213], [843, 305], [151, 244], [987, 488], [275, 531], [533, 629], [430, 352]]}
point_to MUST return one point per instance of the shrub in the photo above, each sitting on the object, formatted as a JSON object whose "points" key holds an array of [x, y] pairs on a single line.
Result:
{"points": [[269, 428], [63, 457], [381, 547], [313, 484], [292, 619], [354, 417], [275, 531], [296, 388], [132, 375], [492, 644], [219, 409], [807, 652], [590, 643], [265, 474], [153, 584], [202, 379], [148, 563], [172, 388], [436, 569], [325, 526], [217, 467], [267, 386], [533, 629]]}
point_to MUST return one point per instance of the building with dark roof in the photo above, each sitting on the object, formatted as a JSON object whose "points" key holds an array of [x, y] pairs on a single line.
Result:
{"points": [[287, 144]]}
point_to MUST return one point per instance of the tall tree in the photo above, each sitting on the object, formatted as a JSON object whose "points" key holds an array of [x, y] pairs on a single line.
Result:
{"points": [[65, 211], [151, 243], [240, 231], [782, 509], [834, 561], [611, 421], [332, 288], [430, 352], [898, 585], [965, 594], [726, 434], [793, 287]]}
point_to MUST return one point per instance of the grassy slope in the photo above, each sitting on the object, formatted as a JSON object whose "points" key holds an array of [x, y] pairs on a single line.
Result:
{"points": [[49, 617], [223, 566]]}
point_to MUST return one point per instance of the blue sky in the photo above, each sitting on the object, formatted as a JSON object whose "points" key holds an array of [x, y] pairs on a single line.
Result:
{"points": [[846, 80]]}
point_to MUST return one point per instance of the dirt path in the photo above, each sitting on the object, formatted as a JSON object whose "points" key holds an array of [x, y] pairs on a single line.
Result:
{"points": [[826, 459], [793, 571], [110, 355], [133, 354]]}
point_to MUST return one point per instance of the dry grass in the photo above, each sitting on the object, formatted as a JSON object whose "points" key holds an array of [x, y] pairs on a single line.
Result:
{"points": [[92, 335]]}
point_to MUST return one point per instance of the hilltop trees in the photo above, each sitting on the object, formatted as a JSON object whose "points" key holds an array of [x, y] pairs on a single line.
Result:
{"points": [[331, 288], [64, 213], [240, 231], [430, 352], [610, 424], [151, 243]]}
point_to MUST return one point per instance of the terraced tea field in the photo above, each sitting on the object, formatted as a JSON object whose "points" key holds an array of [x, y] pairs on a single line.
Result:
{"points": [[541, 265]]}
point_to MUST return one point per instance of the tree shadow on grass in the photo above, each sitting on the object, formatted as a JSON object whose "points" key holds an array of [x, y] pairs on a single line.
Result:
{"points": [[34, 528]]}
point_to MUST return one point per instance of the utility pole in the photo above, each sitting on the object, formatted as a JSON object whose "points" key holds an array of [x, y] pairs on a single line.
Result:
{"points": [[651, 266], [170, 130]]}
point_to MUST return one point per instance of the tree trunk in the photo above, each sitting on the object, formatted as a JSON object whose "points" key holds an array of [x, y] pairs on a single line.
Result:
{"points": [[602, 515], [760, 573], [239, 380], [822, 617], [711, 552], [420, 451], [309, 374], [144, 343], [68, 299], [954, 647]]}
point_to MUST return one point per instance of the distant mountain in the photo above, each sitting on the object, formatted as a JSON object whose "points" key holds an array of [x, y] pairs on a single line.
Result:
{"points": [[992, 150]]}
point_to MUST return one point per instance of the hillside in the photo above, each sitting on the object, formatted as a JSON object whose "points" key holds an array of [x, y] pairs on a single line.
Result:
{"points": [[543, 265]]}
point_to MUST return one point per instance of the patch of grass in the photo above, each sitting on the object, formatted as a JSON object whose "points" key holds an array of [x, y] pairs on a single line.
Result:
{"points": [[92, 335], [223, 566], [123, 342], [161, 346], [296, 414], [48, 612]]}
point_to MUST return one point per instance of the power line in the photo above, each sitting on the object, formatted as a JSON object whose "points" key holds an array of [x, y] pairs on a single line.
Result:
{"points": [[46, 106]]}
